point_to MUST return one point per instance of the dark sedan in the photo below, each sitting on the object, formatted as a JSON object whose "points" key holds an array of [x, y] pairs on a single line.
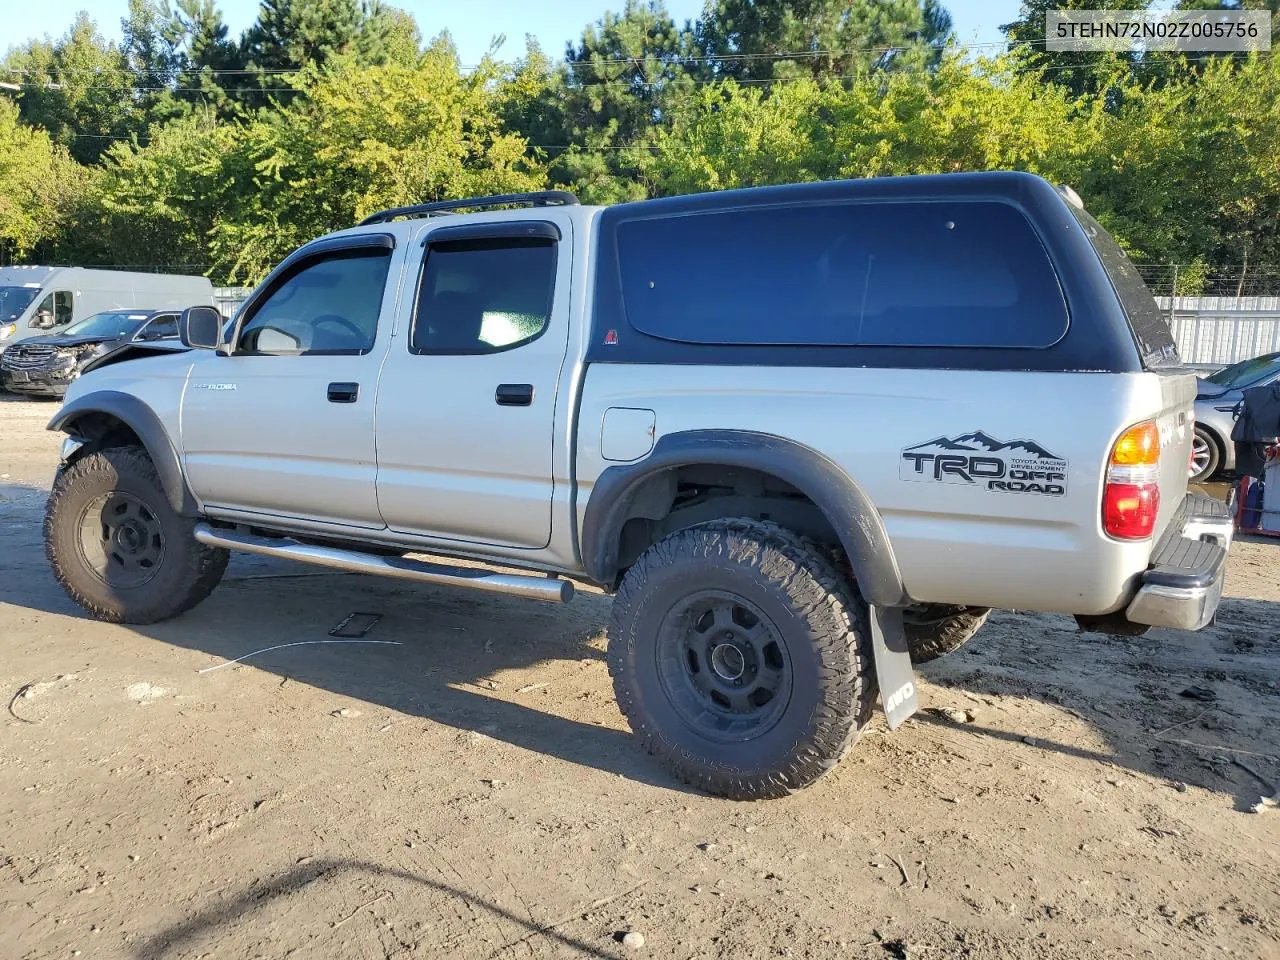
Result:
{"points": [[44, 366], [1216, 402]]}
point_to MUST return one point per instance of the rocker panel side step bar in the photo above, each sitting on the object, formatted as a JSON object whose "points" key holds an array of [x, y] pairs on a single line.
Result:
{"points": [[550, 589]]}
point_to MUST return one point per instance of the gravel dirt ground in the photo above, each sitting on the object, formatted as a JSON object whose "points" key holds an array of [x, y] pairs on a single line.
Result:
{"points": [[467, 787]]}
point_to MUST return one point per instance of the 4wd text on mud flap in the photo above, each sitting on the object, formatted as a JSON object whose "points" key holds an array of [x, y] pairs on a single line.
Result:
{"points": [[899, 697]]}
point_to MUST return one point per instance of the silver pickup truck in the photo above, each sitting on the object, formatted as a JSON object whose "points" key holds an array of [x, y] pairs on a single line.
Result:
{"points": [[807, 434]]}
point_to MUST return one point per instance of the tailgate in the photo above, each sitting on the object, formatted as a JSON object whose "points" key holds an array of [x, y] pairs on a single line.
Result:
{"points": [[1176, 423], [1154, 340]]}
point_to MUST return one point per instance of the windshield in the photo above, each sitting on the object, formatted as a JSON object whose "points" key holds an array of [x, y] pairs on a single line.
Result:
{"points": [[1246, 371], [108, 326], [13, 300]]}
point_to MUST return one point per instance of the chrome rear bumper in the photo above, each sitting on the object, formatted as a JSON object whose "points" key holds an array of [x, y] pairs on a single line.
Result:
{"points": [[1183, 586]]}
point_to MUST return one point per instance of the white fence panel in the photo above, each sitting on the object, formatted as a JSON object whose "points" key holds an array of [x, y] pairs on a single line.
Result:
{"points": [[228, 299], [1223, 337], [1219, 304]]}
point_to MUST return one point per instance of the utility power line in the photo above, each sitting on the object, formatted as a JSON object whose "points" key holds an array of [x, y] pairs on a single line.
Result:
{"points": [[674, 60], [622, 81]]}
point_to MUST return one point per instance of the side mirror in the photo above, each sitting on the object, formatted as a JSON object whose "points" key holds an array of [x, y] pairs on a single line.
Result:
{"points": [[201, 328]]}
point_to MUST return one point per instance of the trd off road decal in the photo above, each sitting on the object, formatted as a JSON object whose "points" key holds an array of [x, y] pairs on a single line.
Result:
{"points": [[1019, 466]]}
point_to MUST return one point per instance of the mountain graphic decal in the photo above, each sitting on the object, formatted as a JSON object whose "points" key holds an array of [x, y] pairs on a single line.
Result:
{"points": [[979, 442]]}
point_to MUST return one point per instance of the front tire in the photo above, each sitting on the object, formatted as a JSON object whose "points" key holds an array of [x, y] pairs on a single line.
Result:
{"points": [[118, 547], [740, 658]]}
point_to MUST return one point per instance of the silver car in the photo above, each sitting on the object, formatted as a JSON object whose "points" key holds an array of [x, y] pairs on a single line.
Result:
{"points": [[1216, 401]]}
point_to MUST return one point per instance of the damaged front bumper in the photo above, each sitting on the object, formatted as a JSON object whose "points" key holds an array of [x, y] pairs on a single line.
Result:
{"points": [[1183, 584], [43, 381]]}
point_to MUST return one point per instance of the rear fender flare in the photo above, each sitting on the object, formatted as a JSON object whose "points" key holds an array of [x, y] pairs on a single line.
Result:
{"points": [[845, 505], [144, 422]]}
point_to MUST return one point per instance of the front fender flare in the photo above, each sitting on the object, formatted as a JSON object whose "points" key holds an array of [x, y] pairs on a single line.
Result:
{"points": [[142, 420], [845, 505]]}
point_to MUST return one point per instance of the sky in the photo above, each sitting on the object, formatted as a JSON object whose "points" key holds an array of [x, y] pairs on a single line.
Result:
{"points": [[473, 23]]}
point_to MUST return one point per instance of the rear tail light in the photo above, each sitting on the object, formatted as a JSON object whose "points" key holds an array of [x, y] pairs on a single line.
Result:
{"points": [[1131, 497]]}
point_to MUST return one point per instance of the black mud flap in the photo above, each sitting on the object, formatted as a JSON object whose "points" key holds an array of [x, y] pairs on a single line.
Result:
{"points": [[893, 665]]}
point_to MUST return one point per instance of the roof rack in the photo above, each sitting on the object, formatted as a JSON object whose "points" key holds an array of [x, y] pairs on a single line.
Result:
{"points": [[539, 198]]}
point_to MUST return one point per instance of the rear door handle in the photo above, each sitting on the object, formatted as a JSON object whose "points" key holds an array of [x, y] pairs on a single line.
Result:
{"points": [[514, 394], [344, 392]]}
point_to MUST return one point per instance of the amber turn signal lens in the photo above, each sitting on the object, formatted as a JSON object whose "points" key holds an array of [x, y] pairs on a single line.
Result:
{"points": [[1137, 446], [1131, 495]]}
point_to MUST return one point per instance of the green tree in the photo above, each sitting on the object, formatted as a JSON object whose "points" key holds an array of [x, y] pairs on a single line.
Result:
{"points": [[154, 50], [156, 205], [77, 88], [389, 35], [963, 116], [361, 139], [39, 185], [1081, 73], [731, 135], [754, 40], [966, 117], [208, 55], [622, 71], [588, 114], [150, 45], [291, 34], [1191, 169]]}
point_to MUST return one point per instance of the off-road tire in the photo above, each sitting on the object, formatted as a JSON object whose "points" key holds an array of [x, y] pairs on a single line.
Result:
{"points": [[821, 621], [934, 630], [185, 572]]}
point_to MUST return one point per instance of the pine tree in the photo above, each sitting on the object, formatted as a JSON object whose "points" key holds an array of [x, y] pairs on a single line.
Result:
{"points": [[751, 39], [210, 58], [1081, 73]]}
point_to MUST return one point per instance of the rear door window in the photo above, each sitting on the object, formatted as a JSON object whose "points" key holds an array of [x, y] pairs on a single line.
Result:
{"points": [[483, 296], [939, 273]]}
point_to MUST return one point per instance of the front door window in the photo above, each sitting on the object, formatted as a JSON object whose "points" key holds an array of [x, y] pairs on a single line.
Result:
{"points": [[54, 311]]}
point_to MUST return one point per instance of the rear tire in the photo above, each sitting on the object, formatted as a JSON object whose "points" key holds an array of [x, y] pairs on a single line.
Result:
{"points": [[936, 629], [117, 546], [740, 658]]}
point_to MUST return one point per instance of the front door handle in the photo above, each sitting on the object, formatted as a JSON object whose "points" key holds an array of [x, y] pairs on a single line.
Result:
{"points": [[514, 394], [344, 392]]}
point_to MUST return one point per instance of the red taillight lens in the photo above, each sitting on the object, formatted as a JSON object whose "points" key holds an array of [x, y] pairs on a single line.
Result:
{"points": [[1131, 496], [1129, 510]]}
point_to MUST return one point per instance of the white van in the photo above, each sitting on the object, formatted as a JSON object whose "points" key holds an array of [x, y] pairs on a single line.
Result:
{"points": [[37, 301]]}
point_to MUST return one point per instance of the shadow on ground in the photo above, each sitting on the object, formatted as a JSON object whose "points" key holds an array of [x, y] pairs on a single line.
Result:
{"points": [[1198, 709], [244, 904], [452, 641], [11, 491]]}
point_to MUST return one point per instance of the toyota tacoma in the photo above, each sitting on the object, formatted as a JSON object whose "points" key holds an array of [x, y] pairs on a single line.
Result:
{"points": [[805, 434]]}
